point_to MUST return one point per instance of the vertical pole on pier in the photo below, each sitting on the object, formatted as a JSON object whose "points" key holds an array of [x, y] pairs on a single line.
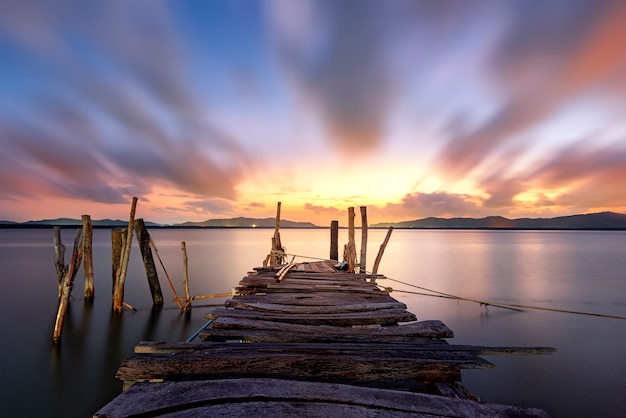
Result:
{"points": [[183, 247], [363, 257], [350, 249], [118, 292], [380, 253], [334, 240], [118, 239], [143, 237], [59, 257], [88, 257], [68, 283], [277, 254]]}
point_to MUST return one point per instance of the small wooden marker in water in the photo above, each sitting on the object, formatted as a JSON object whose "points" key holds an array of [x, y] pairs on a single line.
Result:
{"points": [[363, 257], [143, 237], [68, 283], [334, 240], [118, 291], [88, 258]]}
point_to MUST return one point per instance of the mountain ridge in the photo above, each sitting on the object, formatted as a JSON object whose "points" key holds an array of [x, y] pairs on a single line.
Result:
{"points": [[592, 221]]}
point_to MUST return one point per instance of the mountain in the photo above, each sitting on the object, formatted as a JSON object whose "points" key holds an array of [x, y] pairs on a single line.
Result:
{"points": [[603, 220], [246, 223], [69, 222]]}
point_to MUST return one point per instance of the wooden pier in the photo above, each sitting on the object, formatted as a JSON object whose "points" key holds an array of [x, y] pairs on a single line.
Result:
{"points": [[307, 339]]}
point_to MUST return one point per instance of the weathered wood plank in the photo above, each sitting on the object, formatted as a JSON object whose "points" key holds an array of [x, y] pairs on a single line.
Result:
{"points": [[151, 347], [317, 299], [383, 317], [374, 367], [326, 309], [431, 328], [157, 399]]}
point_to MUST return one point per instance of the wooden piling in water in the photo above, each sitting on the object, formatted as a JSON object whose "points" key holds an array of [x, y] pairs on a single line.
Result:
{"points": [[118, 292], [143, 237], [89, 291], [334, 240], [350, 248], [59, 257], [118, 239], [363, 256], [187, 305], [68, 284], [381, 250]]}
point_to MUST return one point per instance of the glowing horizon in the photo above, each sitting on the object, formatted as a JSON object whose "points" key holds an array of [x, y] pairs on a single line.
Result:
{"points": [[221, 109]]}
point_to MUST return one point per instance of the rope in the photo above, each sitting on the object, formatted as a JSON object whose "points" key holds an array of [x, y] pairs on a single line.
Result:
{"points": [[512, 306]]}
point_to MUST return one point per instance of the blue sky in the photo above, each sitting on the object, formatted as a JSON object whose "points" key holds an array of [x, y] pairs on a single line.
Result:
{"points": [[210, 109]]}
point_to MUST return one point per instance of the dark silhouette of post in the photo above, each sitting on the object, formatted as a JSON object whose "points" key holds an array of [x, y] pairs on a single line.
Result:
{"points": [[143, 237], [334, 240]]}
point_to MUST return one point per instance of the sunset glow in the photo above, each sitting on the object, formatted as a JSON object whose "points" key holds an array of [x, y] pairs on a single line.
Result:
{"points": [[220, 109]]}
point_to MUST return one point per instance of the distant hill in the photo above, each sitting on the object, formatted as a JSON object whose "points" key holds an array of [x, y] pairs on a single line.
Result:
{"points": [[246, 223], [603, 220], [69, 222]]}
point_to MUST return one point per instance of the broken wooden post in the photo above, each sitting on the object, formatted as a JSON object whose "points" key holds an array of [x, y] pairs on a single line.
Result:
{"points": [[334, 240], [118, 242], [187, 306], [118, 292], [277, 255], [68, 283], [350, 250], [59, 257], [380, 253], [143, 237], [363, 257], [88, 257]]}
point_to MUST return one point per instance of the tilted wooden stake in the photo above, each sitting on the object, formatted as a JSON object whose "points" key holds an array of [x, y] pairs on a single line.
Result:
{"points": [[381, 251], [350, 248], [59, 257], [183, 247], [88, 257], [118, 293], [143, 237], [118, 243], [68, 283]]}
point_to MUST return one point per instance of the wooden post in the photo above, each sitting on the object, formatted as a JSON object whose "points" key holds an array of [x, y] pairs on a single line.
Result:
{"points": [[187, 306], [88, 257], [351, 248], [380, 253], [59, 257], [143, 237], [68, 283], [118, 292], [167, 276], [118, 242], [334, 240], [363, 257], [276, 255]]}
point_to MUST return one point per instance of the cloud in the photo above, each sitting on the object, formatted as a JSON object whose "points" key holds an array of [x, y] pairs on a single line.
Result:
{"points": [[116, 113], [335, 54], [441, 204], [549, 56]]}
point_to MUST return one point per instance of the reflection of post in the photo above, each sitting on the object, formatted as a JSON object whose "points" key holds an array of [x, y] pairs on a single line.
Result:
{"points": [[363, 257], [334, 240], [380, 253], [59, 256], [143, 237], [88, 257], [118, 292], [68, 283], [185, 277]]}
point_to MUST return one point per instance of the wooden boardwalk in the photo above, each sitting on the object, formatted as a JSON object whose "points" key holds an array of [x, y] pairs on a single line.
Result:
{"points": [[309, 340]]}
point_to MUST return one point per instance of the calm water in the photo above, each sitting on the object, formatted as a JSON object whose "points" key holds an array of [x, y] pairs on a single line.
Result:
{"points": [[582, 271]]}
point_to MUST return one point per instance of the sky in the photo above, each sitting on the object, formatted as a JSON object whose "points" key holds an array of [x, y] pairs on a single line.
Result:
{"points": [[218, 109]]}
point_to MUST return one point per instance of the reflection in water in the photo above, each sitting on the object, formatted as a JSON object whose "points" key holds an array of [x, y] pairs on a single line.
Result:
{"points": [[567, 270]]}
